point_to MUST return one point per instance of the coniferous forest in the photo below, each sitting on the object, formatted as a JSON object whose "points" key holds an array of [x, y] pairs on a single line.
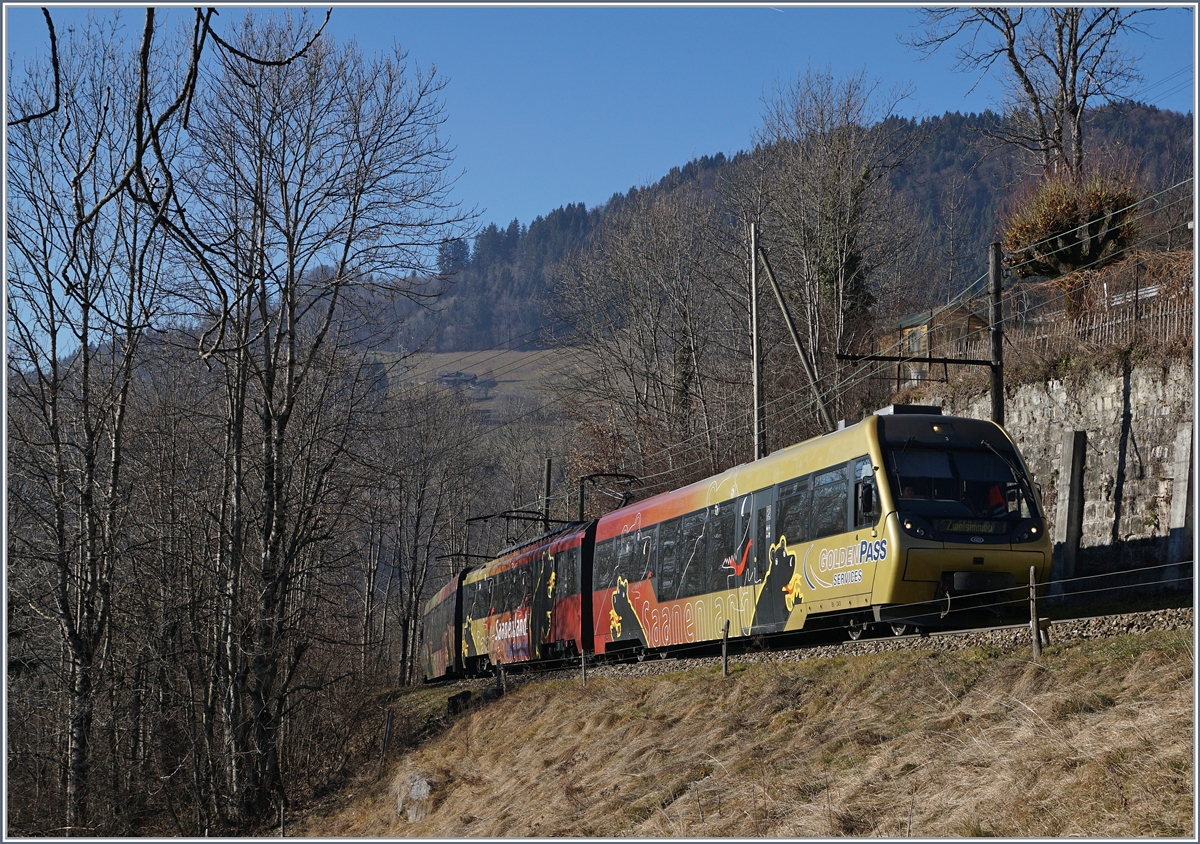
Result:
{"points": [[955, 185]]}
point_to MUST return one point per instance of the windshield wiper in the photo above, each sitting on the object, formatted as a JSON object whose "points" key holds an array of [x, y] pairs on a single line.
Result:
{"points": [[896, 462], [1016, 471]]}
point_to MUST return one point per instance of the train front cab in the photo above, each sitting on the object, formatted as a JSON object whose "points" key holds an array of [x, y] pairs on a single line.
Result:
{"points": [[964, 518], [441, 633]]}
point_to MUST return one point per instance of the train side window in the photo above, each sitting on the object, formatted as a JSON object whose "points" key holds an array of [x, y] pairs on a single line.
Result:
{"points": [[645, 552], [866, 493], [605, 563], [469, 594], [720, 548], [493, 595], [626, 564], [795, 500], [693, 553], [668, 560], [564, 577], [831, 494]]}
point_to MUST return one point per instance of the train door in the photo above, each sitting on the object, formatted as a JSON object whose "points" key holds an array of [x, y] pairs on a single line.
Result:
{"points": [[768, 614], [743, 565], [542, 604], [565, 618]]}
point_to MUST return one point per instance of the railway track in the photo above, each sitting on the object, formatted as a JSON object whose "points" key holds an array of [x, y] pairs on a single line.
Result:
{"points": [[1006, 638]]}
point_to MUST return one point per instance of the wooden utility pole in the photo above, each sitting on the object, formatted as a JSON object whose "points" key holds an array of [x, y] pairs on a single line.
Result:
{"points": [[760, 447], [995, 272], [546, 500]]}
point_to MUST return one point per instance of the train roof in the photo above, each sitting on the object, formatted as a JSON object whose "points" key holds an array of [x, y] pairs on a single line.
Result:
{"points": [[563, 530], [894, 423], [444, 593], [567, 535]]}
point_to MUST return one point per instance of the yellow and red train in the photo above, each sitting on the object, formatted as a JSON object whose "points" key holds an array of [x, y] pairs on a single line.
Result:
{"points": [[904, 519]]}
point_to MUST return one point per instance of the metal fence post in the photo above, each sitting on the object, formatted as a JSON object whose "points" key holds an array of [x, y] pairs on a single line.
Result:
{"points": [[995, 280], [725, 651], [1033, 613]]}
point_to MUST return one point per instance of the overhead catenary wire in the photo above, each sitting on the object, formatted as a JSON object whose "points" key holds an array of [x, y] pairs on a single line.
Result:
{"points": [[1184, 73], [798, 404]]}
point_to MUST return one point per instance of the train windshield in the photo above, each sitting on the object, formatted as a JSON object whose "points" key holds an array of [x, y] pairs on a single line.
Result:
{"points": [[977, 486]]}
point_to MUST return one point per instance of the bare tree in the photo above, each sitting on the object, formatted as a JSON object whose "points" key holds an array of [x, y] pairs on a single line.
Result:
{"points": [[307, 179], [649, 317], [1054, 61], [423, 463], [833, 226], [85, 281], [186, 454], [954, 216]]}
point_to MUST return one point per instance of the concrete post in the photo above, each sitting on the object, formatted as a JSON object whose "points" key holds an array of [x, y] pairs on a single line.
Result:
{"points": [[1068, 518], [1179, 545]]}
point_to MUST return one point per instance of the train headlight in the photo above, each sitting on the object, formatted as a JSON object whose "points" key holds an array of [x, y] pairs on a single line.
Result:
{"points": [[918, 527], [1027, 530]]}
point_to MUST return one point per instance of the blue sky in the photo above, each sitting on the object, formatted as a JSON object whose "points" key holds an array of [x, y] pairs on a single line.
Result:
{"points": [[548, 106]]}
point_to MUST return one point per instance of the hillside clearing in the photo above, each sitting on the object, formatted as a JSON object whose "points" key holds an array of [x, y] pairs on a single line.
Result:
{"points": [[1095, 740]]}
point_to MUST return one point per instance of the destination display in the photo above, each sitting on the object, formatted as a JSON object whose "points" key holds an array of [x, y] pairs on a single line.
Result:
{"points": [[963, 526]]}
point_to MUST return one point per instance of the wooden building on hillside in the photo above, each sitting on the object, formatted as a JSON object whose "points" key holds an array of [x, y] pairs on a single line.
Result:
{"points": [[956, 330]]}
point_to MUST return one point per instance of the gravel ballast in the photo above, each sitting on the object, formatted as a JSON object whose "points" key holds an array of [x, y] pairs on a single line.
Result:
{"points": [[1003, 639]]}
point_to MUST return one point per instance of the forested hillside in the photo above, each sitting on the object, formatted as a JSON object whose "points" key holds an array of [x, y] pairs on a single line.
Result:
{"points": [[955, 184]]}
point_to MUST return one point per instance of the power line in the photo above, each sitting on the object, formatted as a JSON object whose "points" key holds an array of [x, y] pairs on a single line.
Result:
{"points": [[798, 405]]}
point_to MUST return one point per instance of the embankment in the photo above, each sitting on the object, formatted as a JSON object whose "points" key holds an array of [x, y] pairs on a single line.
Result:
{"points": [[1095, 739]]}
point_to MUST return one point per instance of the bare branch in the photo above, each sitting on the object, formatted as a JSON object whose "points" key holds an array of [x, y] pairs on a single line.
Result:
{"points": [[1056, 60], [54, 66], [267, 62]]}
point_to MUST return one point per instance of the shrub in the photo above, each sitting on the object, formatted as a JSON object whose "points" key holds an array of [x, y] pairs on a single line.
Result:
{"points": [[1066, 224]]}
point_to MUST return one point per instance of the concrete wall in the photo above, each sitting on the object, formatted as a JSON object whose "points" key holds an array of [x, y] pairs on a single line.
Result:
{"points": [[1136, 484]]}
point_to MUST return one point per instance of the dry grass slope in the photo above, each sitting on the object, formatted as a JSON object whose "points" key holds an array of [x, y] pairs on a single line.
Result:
{"points": [[1096, 740]]}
